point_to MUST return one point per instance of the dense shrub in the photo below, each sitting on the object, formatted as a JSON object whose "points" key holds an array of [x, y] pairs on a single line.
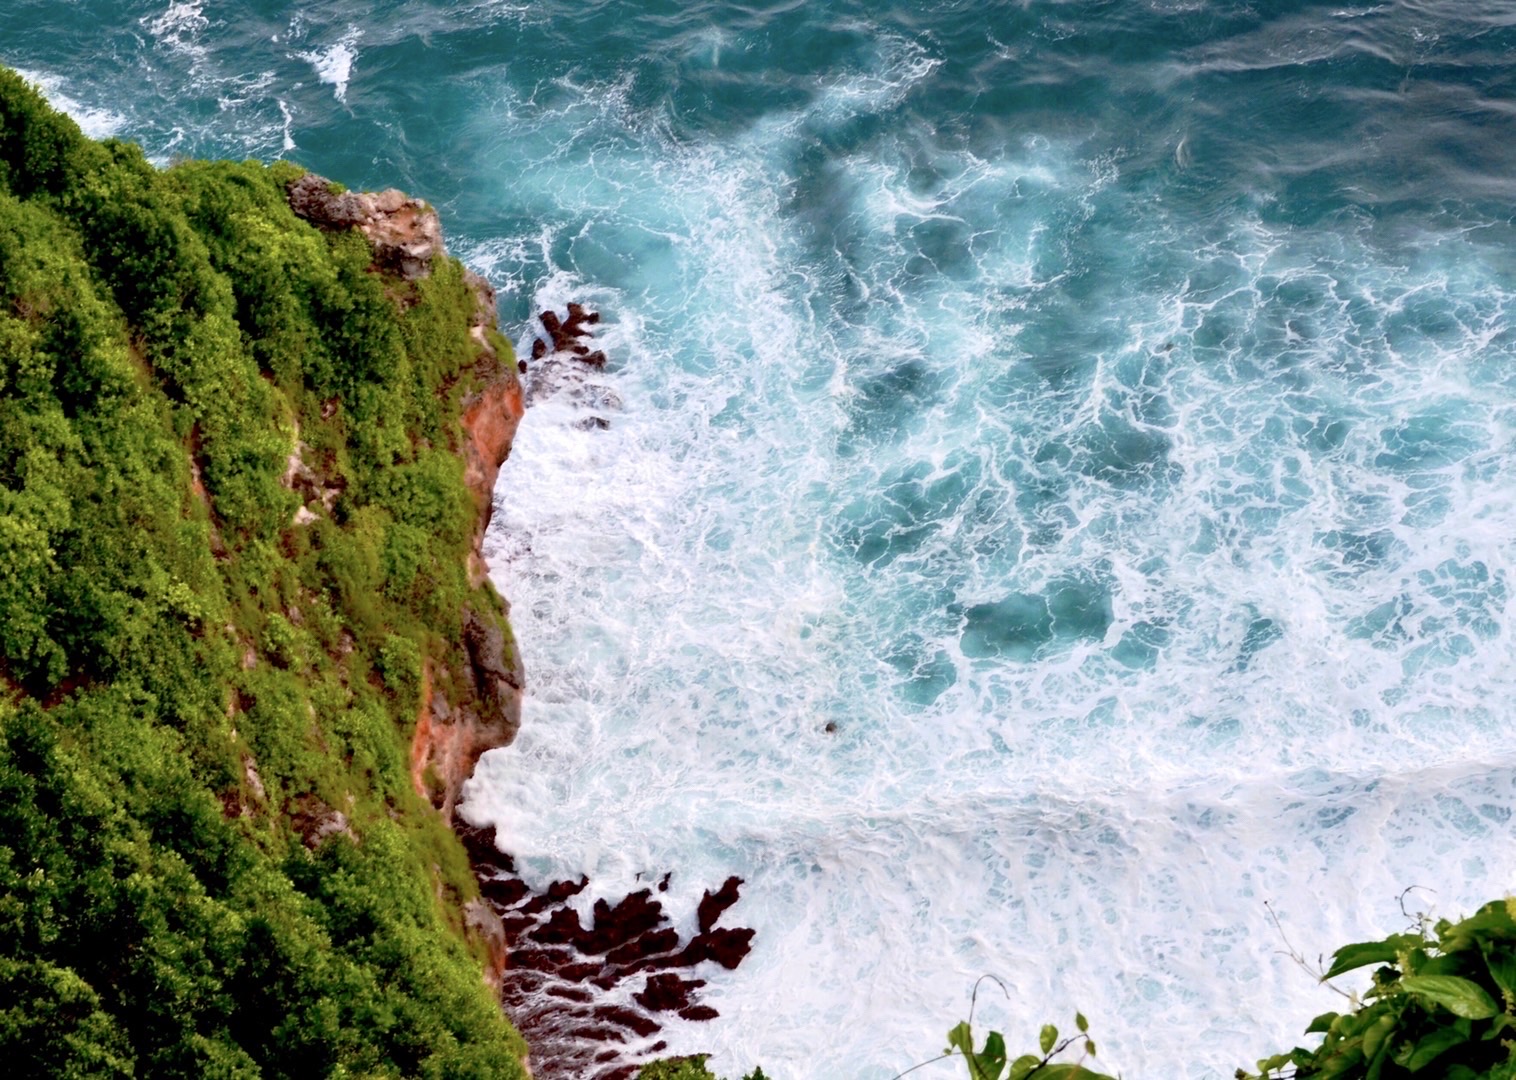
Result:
{"points": [[188, 678]]}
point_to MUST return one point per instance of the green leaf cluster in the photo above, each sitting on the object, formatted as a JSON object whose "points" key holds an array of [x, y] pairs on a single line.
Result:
{"points": [[1442, 1004], [993, 1063], [686, 1068], [189, 679]]}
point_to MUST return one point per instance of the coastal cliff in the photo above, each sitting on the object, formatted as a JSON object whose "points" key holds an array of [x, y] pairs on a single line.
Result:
{"points": [[471, 702], [249, 428]]}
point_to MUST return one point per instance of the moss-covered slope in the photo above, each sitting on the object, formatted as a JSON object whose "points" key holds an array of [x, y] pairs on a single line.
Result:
{"points": [[212, 858]]}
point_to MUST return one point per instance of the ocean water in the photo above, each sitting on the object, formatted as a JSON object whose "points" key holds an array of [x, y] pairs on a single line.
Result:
{"points": [[1058, 506]]}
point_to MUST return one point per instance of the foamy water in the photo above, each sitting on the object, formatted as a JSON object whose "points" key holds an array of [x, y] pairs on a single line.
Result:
{"points": [[1124, 472]]}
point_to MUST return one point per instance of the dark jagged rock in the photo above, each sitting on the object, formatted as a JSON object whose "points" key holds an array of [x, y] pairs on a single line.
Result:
{"points": [[712, 904], [592, 423], [726, 947], [490, 862], [667, 993], [566, 332], [561, 929], [516, 923], [636, 914], [504, 892], [627, 1018], [532, 959], [589, 998], [594, 359], [562, 890], [652, 943], [539, 349]]}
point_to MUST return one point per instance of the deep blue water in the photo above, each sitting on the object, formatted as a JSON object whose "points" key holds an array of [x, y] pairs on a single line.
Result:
{"points": [[1102, 413]]}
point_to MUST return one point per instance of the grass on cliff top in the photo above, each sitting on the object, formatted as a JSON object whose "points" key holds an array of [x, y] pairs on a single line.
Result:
{"points": [[189, 682]]}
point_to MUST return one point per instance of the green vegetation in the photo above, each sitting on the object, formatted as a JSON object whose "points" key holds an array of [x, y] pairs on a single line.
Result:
{"points": [[686, 1068], [993, 1063], [1442, 1003], [212, 860]]}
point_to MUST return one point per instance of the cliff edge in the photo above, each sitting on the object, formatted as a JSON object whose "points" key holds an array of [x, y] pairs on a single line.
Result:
{"points": [[471, 703], [245, 460]]}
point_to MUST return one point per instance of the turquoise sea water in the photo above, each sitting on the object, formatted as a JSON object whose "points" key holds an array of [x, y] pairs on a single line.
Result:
{"points": [[1101, 413]]}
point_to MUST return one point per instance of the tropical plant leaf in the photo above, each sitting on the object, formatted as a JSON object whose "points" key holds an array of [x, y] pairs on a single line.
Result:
{"points": [[1321, 1023], [961, 1038], [1377, 1032], [1047, 1038], [1429, 1047], [1502, 967], [1461, 997], [1069, 1072], [991, 1063], [1363, 953], [1024, 1065]]}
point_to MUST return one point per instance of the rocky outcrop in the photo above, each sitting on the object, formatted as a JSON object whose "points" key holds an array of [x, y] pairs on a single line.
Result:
{"points": [[484, 927], [592, 998], [490, 417], [317, 822], [463, 717], [404, 232], [564, 366]]}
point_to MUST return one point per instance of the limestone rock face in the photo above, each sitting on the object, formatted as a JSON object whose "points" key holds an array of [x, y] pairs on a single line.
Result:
{"points": [[480, 711], [490, 418], [404, 232]]}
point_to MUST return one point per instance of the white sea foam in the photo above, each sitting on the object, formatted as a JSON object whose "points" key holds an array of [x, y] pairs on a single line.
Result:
{"points": [[94, 121], [334, 64], [288, 141], [179, 28], [1269, 476]]}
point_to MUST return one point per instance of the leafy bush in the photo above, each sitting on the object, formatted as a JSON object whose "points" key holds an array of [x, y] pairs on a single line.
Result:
{"points": [[185, 673], [1442, 1003], [686, 1068]]}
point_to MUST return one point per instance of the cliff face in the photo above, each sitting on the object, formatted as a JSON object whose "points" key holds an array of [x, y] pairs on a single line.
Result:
{"points": [[238, 558], [470, 703], [461, 718]]}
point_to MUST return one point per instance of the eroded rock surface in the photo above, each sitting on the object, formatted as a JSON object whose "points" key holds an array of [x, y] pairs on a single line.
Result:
{"points": [[591, 999], [462, 718], [404, 232]]}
